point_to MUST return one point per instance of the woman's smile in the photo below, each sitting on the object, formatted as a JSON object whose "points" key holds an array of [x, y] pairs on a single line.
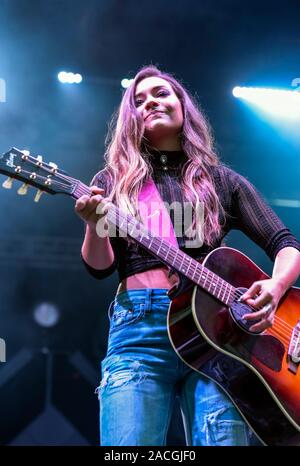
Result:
{"points": [[155, 113]]}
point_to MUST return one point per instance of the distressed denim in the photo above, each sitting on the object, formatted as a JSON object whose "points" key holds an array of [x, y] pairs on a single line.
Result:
{"points": [[142, 375]]}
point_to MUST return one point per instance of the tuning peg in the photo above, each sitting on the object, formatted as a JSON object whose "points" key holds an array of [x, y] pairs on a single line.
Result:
{"points": [[38, 195], [25, 152], [23, 189], [7, 184], [39, 159], [54, 166]]}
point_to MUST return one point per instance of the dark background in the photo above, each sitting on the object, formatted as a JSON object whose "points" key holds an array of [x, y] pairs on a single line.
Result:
{"points": [[47, 383]]}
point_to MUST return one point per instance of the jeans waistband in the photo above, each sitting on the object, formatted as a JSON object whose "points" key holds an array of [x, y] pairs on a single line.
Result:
{"points": [[145, 296], [153, 295]]}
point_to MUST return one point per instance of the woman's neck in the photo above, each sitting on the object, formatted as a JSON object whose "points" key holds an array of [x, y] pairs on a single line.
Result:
{"points": [[172, 144]]}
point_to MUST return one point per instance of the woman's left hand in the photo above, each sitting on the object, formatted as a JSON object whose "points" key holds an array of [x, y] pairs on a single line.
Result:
{"points": [[263, 295]]}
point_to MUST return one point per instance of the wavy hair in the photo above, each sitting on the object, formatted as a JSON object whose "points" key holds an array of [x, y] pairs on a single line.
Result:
{"points": [[128, 169]]}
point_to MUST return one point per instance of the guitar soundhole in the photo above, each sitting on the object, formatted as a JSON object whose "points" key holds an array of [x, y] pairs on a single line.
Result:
{"points": [[239, 309]]}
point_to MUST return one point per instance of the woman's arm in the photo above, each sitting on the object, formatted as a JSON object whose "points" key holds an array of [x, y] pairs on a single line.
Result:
{"points": [[287, 267], [97, 252], [286, 270], [253, 216]]}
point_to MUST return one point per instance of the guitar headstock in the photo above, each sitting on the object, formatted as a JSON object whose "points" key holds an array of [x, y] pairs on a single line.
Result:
{"points": [[20, 165]]}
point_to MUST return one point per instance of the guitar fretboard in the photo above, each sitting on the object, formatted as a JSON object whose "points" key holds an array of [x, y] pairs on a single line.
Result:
{"points": [[166, 252]]}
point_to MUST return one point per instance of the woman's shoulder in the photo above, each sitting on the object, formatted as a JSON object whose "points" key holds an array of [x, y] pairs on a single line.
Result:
{"points": [[102, 177], [224, 173], [227, 177]]}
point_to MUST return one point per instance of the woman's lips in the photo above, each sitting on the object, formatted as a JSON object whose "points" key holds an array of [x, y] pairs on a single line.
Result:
{"points": [[153, 114]]}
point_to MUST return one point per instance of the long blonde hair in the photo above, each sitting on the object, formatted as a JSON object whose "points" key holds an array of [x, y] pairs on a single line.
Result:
{"points": [[128, 169]]}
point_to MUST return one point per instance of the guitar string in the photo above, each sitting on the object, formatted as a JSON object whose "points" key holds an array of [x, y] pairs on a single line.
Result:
{"points": [[283, 323], [275, 334], [238, 293], [274, 330], [283, 338], [40, 176], [172, 254], [49, 169], [82, 189], [281, 330], [280, 322]]}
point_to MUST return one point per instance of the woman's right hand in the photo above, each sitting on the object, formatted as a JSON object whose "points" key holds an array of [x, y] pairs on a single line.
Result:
{"points": [[86, 207]]}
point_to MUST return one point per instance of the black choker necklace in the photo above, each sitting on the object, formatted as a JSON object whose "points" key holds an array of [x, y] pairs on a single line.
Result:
{"points": [[164, 160], [167, 160]]}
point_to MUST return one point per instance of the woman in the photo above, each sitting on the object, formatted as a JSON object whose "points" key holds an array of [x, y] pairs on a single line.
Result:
{"points": [[161, 135]]}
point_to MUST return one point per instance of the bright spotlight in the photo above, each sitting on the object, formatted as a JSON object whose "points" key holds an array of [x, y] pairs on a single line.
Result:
{"points": [[278, 102], [69, 78], [126, 82], [77, 78], [62, 76], [236, 91], [46, 314]]}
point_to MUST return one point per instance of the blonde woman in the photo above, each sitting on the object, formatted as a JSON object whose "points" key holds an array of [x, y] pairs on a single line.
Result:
{"points": [[160, 134]]}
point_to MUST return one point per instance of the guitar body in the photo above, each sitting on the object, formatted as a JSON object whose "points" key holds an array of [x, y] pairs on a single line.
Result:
{"points": [[252, 369], [256, 371]]}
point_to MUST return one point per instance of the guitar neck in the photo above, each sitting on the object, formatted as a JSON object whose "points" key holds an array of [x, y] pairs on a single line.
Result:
{"points": [[166, 252]]}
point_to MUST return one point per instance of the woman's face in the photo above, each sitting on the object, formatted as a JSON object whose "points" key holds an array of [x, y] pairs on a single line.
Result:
{"points": [[160, 109]]}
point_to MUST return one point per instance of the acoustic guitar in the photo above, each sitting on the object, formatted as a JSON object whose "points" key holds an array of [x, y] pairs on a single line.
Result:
{"points": [[259, 372]]}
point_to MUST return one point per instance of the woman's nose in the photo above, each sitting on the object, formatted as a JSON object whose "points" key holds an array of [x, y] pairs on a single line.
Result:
{"points": [[151, 103]]}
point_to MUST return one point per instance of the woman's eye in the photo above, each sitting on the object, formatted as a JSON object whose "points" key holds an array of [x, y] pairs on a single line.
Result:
{"points": [[162, 93]]}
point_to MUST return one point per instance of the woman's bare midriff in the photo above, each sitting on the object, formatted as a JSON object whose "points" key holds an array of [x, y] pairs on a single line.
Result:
{"points": [[154, 278]]}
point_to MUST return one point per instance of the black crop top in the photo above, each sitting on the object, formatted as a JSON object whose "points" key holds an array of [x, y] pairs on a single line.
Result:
{"points": [[244, 207]]}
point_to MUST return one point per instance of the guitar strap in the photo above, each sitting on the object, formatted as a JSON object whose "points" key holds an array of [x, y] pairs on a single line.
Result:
{"points": [[154, 213]]}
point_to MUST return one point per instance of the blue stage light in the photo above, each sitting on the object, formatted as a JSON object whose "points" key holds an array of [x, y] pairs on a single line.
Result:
{"points": [[69, 77], [278, 102], [126, 82]]}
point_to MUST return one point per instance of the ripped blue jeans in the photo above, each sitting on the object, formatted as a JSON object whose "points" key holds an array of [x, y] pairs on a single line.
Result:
{"points": [[142, 375]]}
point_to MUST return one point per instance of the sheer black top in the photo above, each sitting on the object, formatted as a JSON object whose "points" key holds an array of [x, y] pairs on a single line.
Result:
{"points": [[245, 210]]}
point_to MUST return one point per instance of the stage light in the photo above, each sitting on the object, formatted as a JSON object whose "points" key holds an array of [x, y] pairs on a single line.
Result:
{"points": [[278, 102], [69, 78], [46, 314], [293, 203], [126, 82]]}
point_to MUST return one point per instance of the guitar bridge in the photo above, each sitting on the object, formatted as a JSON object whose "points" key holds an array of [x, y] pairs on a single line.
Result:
{"points": [[293, 357]]}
